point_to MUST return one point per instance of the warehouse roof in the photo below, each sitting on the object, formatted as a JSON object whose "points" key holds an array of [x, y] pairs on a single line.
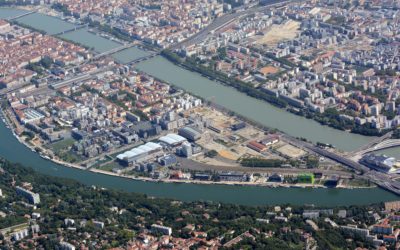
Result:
{"points": [[172, 139], [146, 148]]}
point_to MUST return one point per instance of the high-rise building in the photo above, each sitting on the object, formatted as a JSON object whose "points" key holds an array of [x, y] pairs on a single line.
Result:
{"points": [[33, 198]]}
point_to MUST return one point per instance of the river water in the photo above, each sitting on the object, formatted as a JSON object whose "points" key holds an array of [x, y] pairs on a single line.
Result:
{"points": [[259, 111]]}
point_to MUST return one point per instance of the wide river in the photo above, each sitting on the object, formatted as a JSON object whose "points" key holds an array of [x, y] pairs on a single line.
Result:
{"points": [[256, 110]]}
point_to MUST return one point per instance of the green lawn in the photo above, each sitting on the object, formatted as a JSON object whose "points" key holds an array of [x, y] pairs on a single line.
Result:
{"points": [[61, 145], [110, 166]]}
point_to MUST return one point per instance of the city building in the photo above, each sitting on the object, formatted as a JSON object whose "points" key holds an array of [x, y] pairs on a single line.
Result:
{"points": [[66, 246], [201, 177], [168, 160], [161, 229], [189, 133], [20, 234], [311, 214], [270, 139], [275, 178], [238, 126], [98, 224], [382, 229], [381, 163], [32, 197]]}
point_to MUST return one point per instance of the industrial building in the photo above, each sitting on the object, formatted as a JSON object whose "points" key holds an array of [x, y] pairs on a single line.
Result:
{"points": [[140, 154], [172, 140], [233, 177], [257, 146], [31, 116], [190, 133]]}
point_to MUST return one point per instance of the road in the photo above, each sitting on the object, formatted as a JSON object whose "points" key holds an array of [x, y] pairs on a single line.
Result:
{"points": [[382, 180], [73, 68], [194, 165]]}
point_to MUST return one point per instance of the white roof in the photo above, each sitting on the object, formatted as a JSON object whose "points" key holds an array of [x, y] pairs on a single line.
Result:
{"points": [[167, 140], [150, 146], [177, 137], [121, 156], [153, 145], [172, 139]]}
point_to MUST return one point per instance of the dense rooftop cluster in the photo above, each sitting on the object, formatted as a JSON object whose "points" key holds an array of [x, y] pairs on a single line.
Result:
{"points": [[318, 57], [20, 47], [160, 23]]}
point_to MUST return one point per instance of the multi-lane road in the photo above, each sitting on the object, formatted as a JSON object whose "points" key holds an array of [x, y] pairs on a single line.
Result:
{"points": [[382, 180]]}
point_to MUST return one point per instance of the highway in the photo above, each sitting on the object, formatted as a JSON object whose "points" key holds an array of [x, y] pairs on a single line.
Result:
{"points": [[223, 21], [380, 179]]}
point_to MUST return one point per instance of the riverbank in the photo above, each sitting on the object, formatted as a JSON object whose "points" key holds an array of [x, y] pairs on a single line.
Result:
{"points": [[34, 148]]}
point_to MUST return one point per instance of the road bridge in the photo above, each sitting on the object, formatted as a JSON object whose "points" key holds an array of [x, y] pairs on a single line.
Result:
{"points": [[144, 58], [21, 15], [372, 143], [73, 29], [114, 50], [380, 179]]}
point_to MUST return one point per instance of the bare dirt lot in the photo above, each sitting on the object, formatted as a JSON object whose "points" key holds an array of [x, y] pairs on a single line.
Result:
{"points": [[282, 32], [291, 151]]}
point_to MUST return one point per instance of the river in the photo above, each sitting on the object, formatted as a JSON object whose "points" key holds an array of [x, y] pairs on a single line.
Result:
{"points": [[13, 150], [259, 111]]}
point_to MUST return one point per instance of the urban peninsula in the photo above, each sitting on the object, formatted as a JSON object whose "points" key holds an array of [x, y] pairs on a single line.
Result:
{"points": [[278, 94], [85, 107]]}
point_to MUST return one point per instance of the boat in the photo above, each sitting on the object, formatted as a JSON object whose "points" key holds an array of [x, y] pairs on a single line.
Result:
{"points": [[44, 156]]}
